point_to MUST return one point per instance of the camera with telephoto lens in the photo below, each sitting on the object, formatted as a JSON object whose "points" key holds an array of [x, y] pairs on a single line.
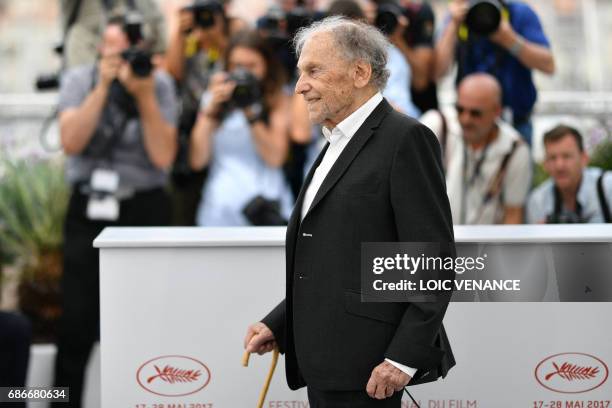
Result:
{"points": [[139, 60], [248, 89], [484, 16], [387, 17], [204, 12]]}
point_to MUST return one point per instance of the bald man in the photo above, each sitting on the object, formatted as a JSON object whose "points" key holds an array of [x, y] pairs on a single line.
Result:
{"points": [[488, 167]]}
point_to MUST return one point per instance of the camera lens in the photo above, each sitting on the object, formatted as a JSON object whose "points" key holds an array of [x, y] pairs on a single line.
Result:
{"points": [[387, 18], [484, 16]]}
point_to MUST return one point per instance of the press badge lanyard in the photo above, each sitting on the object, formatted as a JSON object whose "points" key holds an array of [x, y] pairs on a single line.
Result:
{"points": [[103, 203]]}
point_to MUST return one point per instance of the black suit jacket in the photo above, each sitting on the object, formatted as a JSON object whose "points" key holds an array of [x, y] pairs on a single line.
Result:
{"points": [[386, 186]]}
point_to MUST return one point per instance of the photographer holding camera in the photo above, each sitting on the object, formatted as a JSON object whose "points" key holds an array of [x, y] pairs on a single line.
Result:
{"points": [[242, 135], [117, 128], [415, 41], [197, 42], [503, 38]]}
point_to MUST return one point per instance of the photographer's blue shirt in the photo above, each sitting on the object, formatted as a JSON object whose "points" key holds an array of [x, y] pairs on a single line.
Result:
{"points": [[482, 55]]}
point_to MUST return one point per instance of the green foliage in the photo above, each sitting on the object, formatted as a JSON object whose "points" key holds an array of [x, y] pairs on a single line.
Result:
{"points": [[602, 155], [33, 202], [539, 175]]}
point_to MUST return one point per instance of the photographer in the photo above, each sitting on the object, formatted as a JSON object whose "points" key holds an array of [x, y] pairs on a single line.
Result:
{"points": [[242, 134], [197, 42], [509, 50], [575, 193], [117, 128], [415, 41], [391, 21], [487, 165]]}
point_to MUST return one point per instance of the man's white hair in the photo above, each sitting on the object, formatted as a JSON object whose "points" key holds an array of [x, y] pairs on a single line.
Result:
{"points": [[356, 41]]}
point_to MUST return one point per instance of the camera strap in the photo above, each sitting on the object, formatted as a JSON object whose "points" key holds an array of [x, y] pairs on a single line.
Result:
{"points": [[495, 185], [603, 202], [115, 128], [72, 18]]}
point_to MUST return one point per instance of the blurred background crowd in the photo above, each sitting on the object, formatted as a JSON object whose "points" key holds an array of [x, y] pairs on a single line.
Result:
{"points": [[153, 112]]}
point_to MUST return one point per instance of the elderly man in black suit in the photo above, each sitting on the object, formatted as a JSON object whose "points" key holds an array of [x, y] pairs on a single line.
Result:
{"points": [[378, 179]]}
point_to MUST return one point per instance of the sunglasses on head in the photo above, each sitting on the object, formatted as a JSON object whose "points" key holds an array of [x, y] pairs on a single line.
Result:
{"points": [[475, 113]]}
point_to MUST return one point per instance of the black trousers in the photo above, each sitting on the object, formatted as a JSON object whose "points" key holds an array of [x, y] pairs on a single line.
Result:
{"points": [[80, 323], [350, 399], [15, 336]]}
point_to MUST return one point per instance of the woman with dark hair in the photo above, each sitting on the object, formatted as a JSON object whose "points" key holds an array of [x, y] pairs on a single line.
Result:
{"points": [[242, 135]]}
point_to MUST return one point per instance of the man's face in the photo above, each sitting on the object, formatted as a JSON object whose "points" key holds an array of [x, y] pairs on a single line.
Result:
{"points": [[114, 41], [564, 162], [325, 81], [477, 113]]}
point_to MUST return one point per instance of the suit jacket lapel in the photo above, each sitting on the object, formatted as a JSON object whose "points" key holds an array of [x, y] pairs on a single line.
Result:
{"points": [[296, 215], [351, 150]]}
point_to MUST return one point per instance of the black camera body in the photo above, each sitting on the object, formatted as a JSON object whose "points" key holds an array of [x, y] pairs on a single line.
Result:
{"points": [[139, 60], [248, 89], [484, 16], [387, 17], [204, 12]]}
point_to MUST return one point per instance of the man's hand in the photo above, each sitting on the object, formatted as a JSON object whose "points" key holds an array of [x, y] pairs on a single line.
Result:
{"points": [[386, 379], [458, 10], [108, 69], [504, 35], [137, 86], [220, 92], [259, 339], [185, 21]]}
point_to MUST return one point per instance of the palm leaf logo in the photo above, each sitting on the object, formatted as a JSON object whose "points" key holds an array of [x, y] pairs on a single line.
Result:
{"points": [[173, 375], [571, 372]]}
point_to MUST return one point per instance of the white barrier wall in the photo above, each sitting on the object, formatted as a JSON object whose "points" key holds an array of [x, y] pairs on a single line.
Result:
{"points": [[175, 304]]}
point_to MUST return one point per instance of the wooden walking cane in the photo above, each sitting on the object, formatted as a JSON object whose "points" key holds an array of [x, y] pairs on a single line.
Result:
{"points": [[264, 390]]}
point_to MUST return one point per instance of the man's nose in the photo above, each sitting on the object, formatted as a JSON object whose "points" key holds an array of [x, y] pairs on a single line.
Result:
{"points": [[301, 86]]}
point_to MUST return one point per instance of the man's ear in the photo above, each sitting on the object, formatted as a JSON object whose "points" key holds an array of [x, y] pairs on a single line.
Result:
{"points": [[584, 159], [362, 73]]}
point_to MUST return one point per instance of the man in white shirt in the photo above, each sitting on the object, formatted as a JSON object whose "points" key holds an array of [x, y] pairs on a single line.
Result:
{"points": [[488, 167], [379, 178]]}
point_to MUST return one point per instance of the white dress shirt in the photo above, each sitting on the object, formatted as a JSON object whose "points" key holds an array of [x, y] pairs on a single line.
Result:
{"points": [[338, 138]]}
